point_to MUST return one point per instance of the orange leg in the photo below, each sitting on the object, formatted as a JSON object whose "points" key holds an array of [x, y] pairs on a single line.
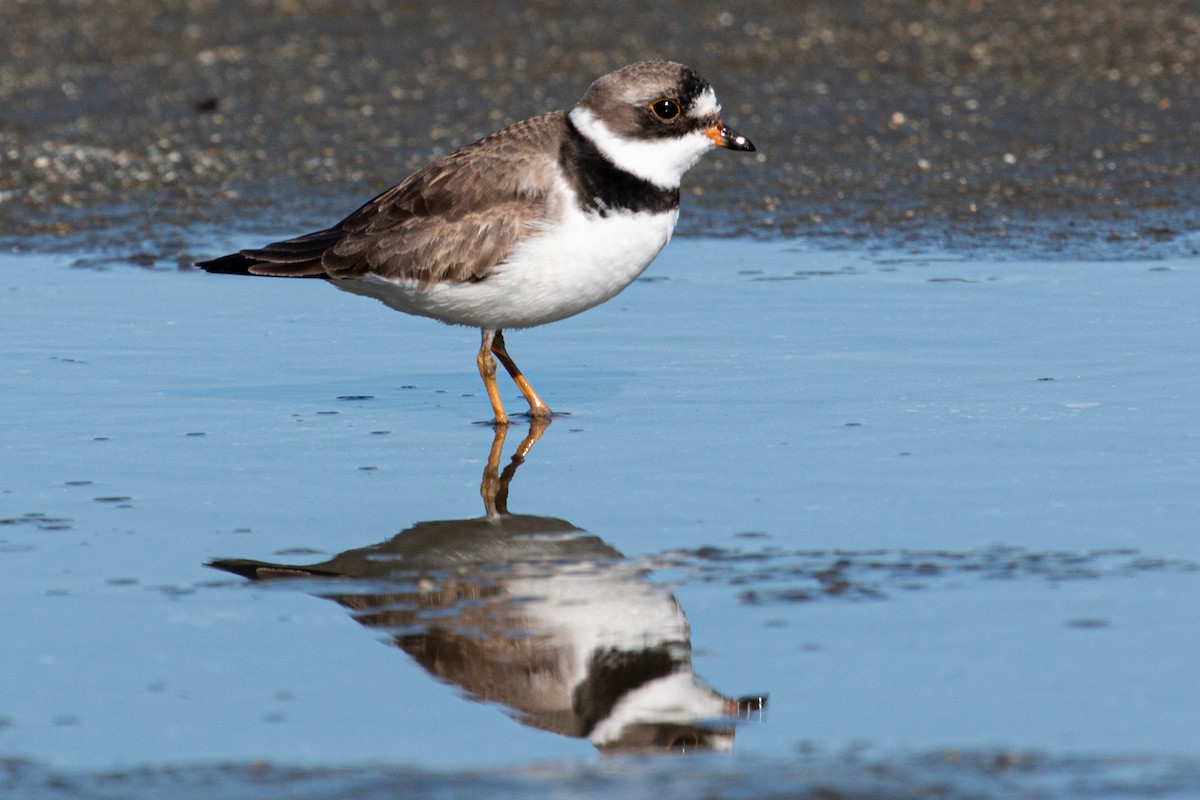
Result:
{"points": [[537, 408], [487, 371], [494, 486]]}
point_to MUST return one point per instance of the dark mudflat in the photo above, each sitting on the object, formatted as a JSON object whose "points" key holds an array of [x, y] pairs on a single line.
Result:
{"points": [[1037, 127]]}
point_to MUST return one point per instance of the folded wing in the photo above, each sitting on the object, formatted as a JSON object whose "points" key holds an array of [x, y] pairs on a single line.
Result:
{"points": [[454, 220]]}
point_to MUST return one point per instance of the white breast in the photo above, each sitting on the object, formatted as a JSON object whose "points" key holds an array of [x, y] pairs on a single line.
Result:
{"points": [[578, 262]]}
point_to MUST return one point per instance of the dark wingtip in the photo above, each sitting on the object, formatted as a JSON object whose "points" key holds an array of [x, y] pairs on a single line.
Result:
{"points": [[300, 257], [232, 264], [262, 570], [238, 566]]}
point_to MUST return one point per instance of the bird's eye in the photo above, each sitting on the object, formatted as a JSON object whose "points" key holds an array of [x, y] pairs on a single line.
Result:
{"points": [[666, 109]]}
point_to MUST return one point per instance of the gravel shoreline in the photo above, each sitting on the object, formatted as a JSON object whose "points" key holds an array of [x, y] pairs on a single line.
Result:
{"points": [[158, 132]]}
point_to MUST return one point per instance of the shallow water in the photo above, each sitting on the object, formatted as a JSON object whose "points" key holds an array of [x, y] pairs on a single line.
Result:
{"points": [[925, 505]]}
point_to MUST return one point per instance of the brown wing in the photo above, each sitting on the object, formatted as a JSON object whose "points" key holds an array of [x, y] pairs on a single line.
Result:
{"points": [[454, 219]]}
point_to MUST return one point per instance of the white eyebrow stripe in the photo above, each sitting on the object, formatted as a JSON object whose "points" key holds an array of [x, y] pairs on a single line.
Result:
{"points": [[706, 105]]}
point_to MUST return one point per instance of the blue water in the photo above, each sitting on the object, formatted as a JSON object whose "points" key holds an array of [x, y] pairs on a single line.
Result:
{"points": [[802, 407]]}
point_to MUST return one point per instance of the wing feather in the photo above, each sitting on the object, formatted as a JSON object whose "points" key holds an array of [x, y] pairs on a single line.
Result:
{"points": [[453, 220]]}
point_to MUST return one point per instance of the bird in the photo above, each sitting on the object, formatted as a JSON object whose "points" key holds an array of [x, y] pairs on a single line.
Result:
{"points": [[535, 223]]}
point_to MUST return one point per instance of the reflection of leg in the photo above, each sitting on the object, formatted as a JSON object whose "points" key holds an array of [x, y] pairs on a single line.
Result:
{"points": [[537, 408], [537, 426], [487, 371], [490, 487], [494, 488]]}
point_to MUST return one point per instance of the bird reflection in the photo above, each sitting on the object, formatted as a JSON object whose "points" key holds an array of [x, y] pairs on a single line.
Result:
{"points": [[536, 615]]}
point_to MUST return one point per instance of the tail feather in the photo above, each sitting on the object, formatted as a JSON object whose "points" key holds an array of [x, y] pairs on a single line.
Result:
{"points": [[300, 257]]}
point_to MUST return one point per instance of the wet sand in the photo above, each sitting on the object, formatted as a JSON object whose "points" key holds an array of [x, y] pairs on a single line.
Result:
{"points": [[950, 775], [1042, 128], [914, 501]]}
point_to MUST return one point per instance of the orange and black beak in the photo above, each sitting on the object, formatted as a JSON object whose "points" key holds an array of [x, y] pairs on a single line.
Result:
{"points": [[724, 136]]}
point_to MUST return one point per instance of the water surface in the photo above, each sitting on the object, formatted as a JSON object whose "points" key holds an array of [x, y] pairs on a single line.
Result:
{"points": [[928, 506]]}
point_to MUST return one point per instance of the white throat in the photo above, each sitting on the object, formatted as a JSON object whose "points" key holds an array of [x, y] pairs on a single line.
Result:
{"points": [[660, 161]]}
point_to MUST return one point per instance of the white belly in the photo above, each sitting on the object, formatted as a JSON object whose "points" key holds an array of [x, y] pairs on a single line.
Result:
{"points": [[580, 263]]}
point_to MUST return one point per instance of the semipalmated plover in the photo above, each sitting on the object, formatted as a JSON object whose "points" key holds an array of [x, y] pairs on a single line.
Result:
{"points": [[533, 224]]}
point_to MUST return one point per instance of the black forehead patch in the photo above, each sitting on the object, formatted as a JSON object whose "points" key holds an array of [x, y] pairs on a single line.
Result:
{"points": [[693, 86]]}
